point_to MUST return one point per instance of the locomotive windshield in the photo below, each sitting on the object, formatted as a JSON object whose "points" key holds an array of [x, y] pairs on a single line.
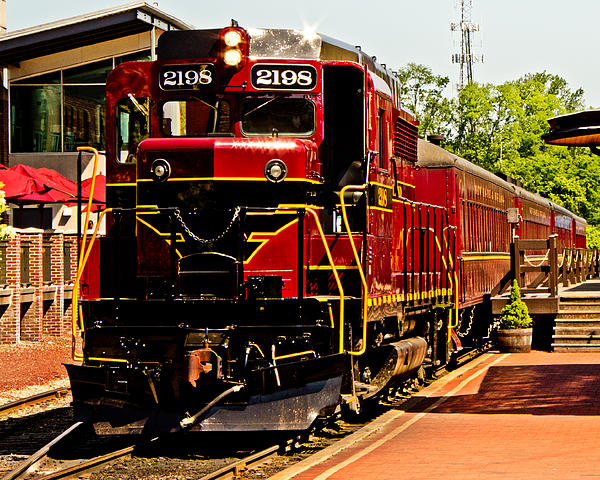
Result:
{"points": [[264, 115], [277, 115], [196, 117]]}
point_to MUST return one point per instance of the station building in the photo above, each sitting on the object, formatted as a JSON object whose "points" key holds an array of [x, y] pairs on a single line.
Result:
{"points": [[52, 100]]}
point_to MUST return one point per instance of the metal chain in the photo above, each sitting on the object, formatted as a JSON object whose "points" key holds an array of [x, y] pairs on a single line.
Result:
{"points": [[464, 334], [491, 327], [206, 241]]}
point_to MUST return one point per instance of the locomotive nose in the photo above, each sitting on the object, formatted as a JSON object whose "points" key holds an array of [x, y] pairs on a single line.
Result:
{"points": [[274, 160]]}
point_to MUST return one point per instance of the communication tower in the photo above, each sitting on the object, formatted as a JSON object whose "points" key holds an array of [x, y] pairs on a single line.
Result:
{"points": [[466, 58]]}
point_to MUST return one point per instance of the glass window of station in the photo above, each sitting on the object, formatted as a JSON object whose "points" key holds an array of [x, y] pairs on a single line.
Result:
{"points": [[62, 110]]}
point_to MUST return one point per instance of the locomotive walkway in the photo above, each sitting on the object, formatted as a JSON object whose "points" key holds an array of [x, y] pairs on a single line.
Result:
{"points": [[503, 416]]}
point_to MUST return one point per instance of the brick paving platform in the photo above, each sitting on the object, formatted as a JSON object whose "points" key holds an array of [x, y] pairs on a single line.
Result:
{"points": [[504, 416]]}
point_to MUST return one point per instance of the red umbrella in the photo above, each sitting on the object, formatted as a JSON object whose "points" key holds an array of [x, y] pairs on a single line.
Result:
{"points": [[99, 198], [15, 183], [49, 185], [99, 188], [26, 184]]}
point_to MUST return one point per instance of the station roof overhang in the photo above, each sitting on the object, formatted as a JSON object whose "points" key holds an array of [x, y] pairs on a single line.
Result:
{"points": [[83, 30], [581, 129]]}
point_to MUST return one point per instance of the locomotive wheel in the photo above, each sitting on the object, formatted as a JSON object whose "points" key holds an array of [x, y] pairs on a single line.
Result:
{"points": [[360, 409]]}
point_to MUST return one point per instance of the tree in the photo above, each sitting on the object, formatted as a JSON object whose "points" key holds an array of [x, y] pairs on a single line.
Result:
{"points": [[515, 313], [500, 128], [422, 92]]}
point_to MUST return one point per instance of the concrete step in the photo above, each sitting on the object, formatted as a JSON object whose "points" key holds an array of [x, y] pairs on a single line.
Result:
{"points": [[577, 322], [579, 314], [570, 297], [576, 339], [586, 331], [561, 348], [578, 306]]}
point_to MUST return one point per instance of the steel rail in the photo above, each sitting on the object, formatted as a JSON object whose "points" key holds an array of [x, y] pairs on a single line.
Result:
{"points": [[233, 469], [229, 471], [42, 452], [34, 399], [87, 464]]}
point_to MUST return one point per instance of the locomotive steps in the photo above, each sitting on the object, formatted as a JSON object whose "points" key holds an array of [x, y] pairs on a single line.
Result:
{"points": [[577, 326]]}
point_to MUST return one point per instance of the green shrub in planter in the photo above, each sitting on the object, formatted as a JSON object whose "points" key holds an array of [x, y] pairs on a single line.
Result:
{"points": [[515, 314]]}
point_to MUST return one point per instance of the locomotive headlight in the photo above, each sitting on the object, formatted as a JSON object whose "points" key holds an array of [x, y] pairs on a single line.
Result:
{"points": [[275, 170], [232, 38], [160, 170], [233, 46], [233, 56]]}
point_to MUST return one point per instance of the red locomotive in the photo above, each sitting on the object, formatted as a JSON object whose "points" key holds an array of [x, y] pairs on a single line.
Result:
{"points": [[279, 241]]}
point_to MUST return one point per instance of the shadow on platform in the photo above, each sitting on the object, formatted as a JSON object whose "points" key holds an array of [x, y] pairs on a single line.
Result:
{"points": [[527, 390]]}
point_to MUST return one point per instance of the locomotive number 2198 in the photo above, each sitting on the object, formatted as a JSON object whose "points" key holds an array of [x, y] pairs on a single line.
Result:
{"points": [[283, 77], [186, 76]]}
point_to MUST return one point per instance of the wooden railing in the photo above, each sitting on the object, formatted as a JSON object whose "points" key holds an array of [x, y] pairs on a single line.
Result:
{"points": [[577, 265], [543, 269]]}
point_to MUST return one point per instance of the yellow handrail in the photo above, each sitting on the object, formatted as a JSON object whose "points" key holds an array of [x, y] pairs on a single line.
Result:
{"points": [[81, 264], [363, 279], [455, 286], [335, 274], [75, 302], [91, 195]]}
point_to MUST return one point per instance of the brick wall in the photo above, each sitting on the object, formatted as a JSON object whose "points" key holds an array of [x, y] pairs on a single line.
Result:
{"points": [[11, 312], [67, 308], [52, 321], [30, 310]]}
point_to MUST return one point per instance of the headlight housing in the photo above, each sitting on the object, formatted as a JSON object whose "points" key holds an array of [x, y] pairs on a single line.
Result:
{"points": [[160, 170], [275, 170]]}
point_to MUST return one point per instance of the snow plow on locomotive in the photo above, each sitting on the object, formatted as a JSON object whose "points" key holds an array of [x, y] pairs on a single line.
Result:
{"points": [[272, 252]]}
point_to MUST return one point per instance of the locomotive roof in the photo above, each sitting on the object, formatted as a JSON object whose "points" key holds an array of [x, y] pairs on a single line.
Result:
{"points": [[306, 45], [274, 43]]}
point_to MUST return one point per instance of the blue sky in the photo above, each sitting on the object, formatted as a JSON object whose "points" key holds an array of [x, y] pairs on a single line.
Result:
{"points": [[516, 36]]}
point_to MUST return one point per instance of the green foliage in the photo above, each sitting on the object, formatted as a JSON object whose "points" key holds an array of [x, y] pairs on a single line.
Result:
{"points": [[500, 128], [515, 314], [422, 92], [593, 236]]}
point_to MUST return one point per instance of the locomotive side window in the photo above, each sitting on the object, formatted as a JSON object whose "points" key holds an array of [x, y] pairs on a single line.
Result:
{"points": [[277, 116], [132, 126], [196, 117]]}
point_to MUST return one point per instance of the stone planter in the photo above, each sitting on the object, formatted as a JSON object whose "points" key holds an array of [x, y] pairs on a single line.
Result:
{"points": [[515, 340]]}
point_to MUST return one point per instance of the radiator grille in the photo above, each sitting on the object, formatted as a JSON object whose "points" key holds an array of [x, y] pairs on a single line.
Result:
{"points": [[405, 140]]}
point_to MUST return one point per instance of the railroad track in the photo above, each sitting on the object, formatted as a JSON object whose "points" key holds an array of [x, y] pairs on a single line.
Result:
{"points": [[231, 470], [34, 399], [227, 472]]}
